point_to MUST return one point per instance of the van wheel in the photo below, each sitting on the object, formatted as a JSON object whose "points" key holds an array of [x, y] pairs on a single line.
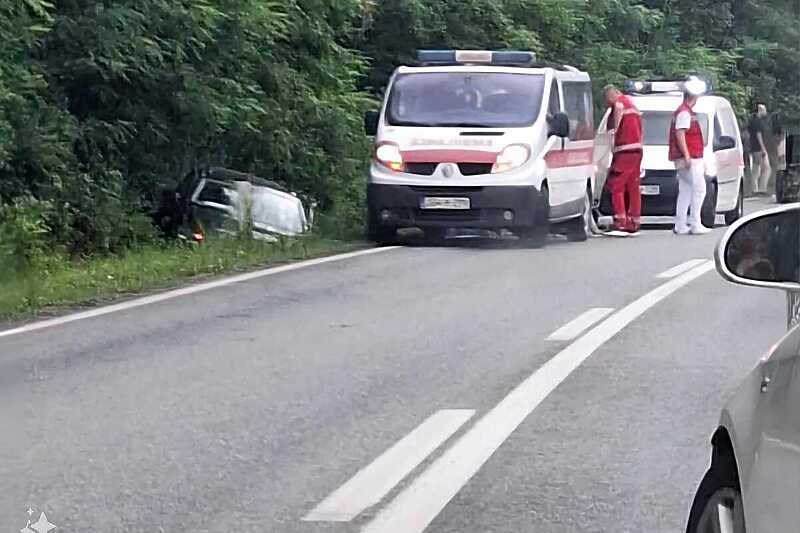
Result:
{"points": [[738, 211], [536, 235], [708, 213], [579, 229], [380, 234], [717, 505]]}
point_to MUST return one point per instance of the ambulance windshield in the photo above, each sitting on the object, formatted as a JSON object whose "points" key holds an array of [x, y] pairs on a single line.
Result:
{"points": [[466, 99], [656, 127]]}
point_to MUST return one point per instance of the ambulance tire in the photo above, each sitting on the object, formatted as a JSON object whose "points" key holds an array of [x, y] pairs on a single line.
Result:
{"points": [[738, 211], [708, 213], [379, 234], [580, 228], [536, 236]]}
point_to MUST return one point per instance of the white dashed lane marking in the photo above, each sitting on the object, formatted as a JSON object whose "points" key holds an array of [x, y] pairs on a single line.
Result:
{"points": [[574, 328], [374, 481]]}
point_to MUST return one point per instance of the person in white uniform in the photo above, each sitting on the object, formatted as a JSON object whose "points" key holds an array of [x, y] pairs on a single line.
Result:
{"points": [[686, 151]]}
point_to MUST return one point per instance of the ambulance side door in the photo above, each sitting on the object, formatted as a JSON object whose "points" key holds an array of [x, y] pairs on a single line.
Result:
{"points": [[577, 98], [555, 155], [602, 155]]}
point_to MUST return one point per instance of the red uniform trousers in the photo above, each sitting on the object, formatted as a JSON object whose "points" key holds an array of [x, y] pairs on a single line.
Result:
{"points": [[623, 180]]}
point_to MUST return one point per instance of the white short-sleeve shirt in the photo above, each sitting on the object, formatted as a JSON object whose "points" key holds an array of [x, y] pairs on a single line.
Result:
{"points": [[683, 121]]}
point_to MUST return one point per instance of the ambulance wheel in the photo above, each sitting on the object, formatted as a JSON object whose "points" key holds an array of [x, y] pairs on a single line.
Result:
{"points": [[380, 234], [580, 228], [708, 213], [536, 235], [738, 211], [435, 235]]}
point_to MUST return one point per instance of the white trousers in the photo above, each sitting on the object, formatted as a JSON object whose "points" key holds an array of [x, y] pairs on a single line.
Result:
{"points": [[691, 194]]}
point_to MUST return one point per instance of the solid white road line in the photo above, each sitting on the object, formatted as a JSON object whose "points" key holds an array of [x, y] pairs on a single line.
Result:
{"points": [[571, 330], [419, 503], [677, 270], [200, 287], [374, 481]]}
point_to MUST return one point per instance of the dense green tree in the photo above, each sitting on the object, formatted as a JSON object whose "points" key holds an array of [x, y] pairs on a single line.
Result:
{"points": [[105, 103]]}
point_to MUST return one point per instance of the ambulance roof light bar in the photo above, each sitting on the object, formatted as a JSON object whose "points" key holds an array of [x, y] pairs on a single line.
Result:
{"points": [[511, 58], [693, 84]]}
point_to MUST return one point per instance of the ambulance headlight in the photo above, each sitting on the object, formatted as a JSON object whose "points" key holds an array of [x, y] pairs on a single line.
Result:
{"points": [[695, 86], [389, 155], [513, 156]]}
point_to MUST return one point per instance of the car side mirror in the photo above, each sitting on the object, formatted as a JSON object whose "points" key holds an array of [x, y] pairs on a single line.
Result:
{"points": [[371, 119], [725, 143], [763, 249], [559, 125]]}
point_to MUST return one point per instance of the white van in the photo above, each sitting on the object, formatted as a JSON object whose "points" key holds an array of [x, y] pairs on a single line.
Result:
{"points": [[482, 140], [723, 155]]}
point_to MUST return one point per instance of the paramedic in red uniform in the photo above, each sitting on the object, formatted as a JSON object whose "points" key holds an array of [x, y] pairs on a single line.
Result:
{"points": [[623, 176], [686, 150]]}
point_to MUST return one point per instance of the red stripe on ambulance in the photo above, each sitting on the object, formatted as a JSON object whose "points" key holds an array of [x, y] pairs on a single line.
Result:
{"points": [[578, 157]]}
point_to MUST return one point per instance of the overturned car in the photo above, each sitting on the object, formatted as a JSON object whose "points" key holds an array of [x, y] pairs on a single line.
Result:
{"points": [[226, 202]]}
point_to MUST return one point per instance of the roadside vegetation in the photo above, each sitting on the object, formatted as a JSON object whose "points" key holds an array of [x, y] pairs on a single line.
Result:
{"points": [[106, 104]]}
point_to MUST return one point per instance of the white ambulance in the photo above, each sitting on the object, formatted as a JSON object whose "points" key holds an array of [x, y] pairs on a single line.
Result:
{"points": [[723, 155], [491, 142]]}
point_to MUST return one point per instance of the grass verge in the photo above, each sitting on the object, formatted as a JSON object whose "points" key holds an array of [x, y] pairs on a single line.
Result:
{"points": [[61, 283]]}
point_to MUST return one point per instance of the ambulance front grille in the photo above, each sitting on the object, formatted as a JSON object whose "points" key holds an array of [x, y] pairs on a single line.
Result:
{"points": [[466, 169]]}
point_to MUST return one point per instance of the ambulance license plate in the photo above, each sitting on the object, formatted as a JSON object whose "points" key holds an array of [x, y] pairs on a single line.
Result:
{"points": [[442, 202], [650, 190]]}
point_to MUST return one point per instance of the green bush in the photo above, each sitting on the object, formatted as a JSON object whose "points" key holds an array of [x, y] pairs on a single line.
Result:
{"points": [[24, 236]]}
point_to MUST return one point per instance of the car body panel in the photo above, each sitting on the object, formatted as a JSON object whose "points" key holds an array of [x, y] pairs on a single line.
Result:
{"points": [[763, 422]]}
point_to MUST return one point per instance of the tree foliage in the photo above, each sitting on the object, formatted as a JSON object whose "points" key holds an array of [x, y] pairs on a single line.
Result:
{"points": [[105, 103]]}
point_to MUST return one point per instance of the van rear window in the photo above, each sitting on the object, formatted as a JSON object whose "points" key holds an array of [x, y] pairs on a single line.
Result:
{"points": [[656, 124], [466, 99]]}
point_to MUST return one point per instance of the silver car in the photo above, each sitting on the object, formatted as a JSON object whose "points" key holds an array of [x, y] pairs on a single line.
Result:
{"points": [[753, 483]]}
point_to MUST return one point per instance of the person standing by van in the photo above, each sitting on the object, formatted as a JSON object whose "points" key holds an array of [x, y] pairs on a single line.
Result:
{"points": [[686, 151], [626, 162], [760, 170]]}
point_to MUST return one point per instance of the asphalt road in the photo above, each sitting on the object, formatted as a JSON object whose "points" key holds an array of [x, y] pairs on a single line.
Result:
{"points": [[414, 389]]}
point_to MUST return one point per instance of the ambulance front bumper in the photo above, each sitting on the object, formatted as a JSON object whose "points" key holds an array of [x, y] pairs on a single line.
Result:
{"points": [[484, 207]]}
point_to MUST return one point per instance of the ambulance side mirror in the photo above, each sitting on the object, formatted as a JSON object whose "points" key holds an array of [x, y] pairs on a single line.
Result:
{"points": [[763, 249], [371, 119], [559, 125]]}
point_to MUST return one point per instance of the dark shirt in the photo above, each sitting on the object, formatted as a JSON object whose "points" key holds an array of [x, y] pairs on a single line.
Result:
{"points": [[757, 125]]}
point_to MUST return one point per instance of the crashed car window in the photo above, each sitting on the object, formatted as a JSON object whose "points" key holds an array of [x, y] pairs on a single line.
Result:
{"points": [[275, 211], [218, 193]]}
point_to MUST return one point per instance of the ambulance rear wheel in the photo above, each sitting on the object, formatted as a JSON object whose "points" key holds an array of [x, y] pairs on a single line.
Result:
{"points": [[738, 211], [708, 213]]}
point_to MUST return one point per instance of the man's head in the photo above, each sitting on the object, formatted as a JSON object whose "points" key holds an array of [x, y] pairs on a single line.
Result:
{"points": [[611, 94], [761, 110], [690, 98], [693, 87]]}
